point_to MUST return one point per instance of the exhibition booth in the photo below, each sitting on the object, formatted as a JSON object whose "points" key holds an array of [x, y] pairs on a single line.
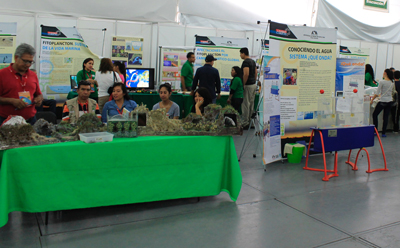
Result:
{"points": [[311, 90]]}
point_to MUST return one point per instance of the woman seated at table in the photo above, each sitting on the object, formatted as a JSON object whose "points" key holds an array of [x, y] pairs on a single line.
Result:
{"points": [[201, 98], [120, 102], [171, 108]]}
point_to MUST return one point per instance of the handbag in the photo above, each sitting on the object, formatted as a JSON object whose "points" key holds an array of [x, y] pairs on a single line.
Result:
{"points": [[110, 89], [375, 102], [394, 96]]}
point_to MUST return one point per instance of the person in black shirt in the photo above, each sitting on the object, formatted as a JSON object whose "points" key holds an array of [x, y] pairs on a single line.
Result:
{"points": [[395, 109], [208, 77], [249, 82]]}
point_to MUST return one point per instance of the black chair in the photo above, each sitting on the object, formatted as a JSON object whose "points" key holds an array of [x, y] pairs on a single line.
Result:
{"points": [[47, 115]]}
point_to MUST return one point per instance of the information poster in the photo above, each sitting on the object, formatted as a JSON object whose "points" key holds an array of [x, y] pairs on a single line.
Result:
{"points": [[225, 50], [8, 35], [350, 75], [355, 53], [308, 65], [128, 50], [271, 110], [61, 55], [171, 61]]}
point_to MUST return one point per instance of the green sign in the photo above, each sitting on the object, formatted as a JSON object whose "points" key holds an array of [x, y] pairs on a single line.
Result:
{"points": [[379, 5]]}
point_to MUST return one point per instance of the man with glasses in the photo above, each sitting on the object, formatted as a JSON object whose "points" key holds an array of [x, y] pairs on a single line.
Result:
{"points": [[19, 86]]}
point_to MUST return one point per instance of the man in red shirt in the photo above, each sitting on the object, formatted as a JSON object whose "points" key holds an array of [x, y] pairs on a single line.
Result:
{"points": [[19, 87]]}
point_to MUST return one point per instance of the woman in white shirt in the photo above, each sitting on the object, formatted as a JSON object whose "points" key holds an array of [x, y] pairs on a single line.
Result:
{"points": [[385, 89], [105, 77]]}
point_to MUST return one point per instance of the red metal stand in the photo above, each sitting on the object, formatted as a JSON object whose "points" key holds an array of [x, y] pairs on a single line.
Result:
{"points": [[326, 177], [384, 157]]}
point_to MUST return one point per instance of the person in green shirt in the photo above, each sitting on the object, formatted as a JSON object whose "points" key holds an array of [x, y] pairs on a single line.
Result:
{"points": [[187, 72], [88, 74], [369, 76], [236, 88]]}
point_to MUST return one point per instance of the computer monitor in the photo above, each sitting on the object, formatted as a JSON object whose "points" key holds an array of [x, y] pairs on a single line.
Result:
{"points": [[139, 78], [74, 83]]}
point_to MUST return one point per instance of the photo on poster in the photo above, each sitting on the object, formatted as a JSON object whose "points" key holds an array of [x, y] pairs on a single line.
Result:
{"points": [[169, 63], [119, 51], [300, 116], [128, 46], [170, 57], [68, 60], [5, 58], [135, 59], [6, 41], [225, 84], [308, 115], [289, 76], [137, 45]]}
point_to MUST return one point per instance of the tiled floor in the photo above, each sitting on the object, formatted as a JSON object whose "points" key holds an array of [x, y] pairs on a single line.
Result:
{"points": [[285, 206]]}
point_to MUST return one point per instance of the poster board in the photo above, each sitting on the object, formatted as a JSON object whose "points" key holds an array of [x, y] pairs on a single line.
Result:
{"points": [[61, 55], [128, 50], [308, 65], [225, 50], [8, 37], [271, 110], [377, 5], [350, 76], [170, 64], [354, 52]]}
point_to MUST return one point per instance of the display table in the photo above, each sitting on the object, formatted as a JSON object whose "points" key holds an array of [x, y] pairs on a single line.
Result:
{"points": [[336, 139], [74, 175], [185, 102]]}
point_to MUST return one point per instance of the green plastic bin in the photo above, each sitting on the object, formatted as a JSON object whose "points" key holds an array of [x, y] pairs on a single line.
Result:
{"points": [[297, 153]]}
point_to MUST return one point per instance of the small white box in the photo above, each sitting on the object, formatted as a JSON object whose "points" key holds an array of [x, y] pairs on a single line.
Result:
{"points": [[96, 137]]}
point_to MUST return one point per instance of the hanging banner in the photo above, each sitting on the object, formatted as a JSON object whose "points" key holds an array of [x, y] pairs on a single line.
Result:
{"points": [[171, 61], [128, 50], [225, 50], [354, 52], [271, 110], [308, 65], [377, 5], [61, 55], [350, 75], [8, 35]]}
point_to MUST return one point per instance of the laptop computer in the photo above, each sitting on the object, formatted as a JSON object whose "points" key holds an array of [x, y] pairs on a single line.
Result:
{"points": [[74, 83]]}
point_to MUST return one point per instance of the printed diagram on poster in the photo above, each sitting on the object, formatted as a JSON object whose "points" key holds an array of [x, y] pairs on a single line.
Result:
{"points": [[225, 50], [61, 55], [8, 32], [307, 65], [271, 110], [128, 50]]}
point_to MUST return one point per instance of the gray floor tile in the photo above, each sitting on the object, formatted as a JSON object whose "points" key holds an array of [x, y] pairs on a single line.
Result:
{"points": [[20, 231], [361, 207], [388, 237], [348, 243], [79, 219], [263, 224]]}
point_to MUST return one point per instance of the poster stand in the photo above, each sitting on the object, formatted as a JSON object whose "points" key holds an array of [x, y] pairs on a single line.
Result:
{"points": [[255, 116]]}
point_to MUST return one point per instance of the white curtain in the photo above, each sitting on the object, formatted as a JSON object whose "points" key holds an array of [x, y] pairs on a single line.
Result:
{"points": [[138, 10], [348, 28]]}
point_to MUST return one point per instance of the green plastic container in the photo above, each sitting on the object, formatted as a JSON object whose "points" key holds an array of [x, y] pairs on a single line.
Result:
{"points": [[297, 153]]}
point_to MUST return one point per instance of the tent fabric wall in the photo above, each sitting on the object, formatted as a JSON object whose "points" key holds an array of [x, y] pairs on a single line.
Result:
{"points": [[139, 10], [349, 28]]}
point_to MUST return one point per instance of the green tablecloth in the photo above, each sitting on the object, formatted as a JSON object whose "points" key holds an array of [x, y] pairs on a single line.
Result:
{"points": [[76, 175], [185, 102]]}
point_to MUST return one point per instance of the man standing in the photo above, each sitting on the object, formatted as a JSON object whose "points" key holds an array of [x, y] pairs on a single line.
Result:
{"points": [[80, 105], [19, 86], [209, 79], [249, 82], [187, 72]]}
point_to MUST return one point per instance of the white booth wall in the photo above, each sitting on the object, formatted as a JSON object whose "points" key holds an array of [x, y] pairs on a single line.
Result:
{"points": [[166, 34]]}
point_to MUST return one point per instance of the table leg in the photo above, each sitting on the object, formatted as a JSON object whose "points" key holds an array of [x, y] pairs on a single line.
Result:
{"points": [[383, 153], [308, 150]]}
